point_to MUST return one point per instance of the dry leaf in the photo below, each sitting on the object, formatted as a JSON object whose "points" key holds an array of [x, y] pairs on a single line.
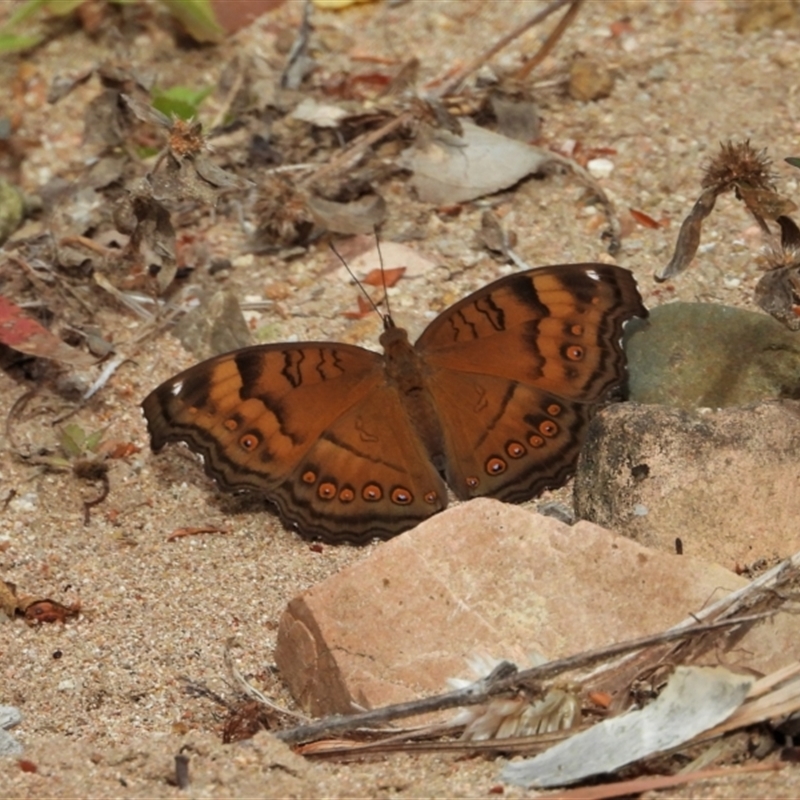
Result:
{"points": [[765, 203], [379, 277], [456, 169], [38, 611], [24, 334], [644, 219], [689, 236], [364, 309], [694, 700], [8, 599]]}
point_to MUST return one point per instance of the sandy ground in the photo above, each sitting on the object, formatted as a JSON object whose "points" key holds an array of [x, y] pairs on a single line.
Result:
{"points": [[102, 698]]}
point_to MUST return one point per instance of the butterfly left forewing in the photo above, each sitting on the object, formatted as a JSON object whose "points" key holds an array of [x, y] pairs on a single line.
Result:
{"points": [[311, 426], [253, 413]]}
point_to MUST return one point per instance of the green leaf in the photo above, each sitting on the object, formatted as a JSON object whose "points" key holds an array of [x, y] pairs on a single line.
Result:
{"points": [[73, 439], [62, 7], [24, 11], [93, 441], [197, 16], [180, 101], [794, 161], [10, 43]]}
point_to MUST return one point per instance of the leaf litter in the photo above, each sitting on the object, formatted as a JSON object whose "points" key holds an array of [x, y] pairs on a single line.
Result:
{"points": [[116, 229]]}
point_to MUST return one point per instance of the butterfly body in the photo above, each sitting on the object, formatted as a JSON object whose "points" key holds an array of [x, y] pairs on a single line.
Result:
{"points": [[494, 396]]}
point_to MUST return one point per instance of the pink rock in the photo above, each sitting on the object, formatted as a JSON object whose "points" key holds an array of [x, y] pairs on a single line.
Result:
{"points": [[487, 577]]}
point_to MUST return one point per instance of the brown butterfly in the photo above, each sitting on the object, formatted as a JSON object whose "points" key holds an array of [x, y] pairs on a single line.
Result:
{"points": [[494, 397]]}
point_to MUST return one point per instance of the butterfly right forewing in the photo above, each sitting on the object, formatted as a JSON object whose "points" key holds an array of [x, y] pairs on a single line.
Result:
{"points": [[517, 370]]}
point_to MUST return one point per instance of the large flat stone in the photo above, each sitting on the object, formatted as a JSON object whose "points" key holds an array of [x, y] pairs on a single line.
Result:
{"points": [[490, 578]]}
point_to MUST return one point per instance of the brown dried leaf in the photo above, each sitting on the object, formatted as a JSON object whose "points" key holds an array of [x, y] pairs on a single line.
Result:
{"points": [[765, 203], [644, 219], [41, 611], [8, 598], [364, 309], [689, 236], [377, 277], [246, 719]]}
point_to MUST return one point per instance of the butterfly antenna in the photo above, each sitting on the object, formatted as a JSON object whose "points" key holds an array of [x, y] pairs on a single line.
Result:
{"points": [[358, 282], [383, 273]]}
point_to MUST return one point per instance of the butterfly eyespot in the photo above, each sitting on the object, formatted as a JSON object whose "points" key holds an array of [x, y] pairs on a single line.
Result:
{"points": [[534, 440], [496, 466], [554, 409], [230, 424], [515, 450], [346, 494], [576, 330], [430, 497], [327, 490], [309, 477], [473, 482], [372, 492], [573, 352], [548, 428], [401, 496], [249, 441]]}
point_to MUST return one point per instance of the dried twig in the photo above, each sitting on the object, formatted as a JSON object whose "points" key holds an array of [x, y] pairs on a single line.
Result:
{"points": [[347, 158], [455, 82], [483, 690], [550, 42], [586, 178], [250, 690]]}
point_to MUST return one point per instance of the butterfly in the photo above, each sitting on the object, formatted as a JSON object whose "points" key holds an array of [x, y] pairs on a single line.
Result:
{"points": [[494, 399]]}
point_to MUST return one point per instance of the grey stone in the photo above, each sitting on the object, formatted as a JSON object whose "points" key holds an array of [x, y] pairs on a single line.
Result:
{"points": [[9, 717], [693, 355], [724, 481]]}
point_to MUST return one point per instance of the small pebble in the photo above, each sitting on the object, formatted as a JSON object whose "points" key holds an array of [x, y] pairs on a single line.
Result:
{"points": [[600, 167], [589, 80]]}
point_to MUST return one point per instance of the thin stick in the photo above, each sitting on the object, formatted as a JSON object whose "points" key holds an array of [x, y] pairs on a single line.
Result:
{"points": [[455, 82], [349, 156], [483, 690], [550, 42]]}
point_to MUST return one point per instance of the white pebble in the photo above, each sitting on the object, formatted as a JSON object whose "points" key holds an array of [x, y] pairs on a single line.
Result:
{"points": [[600, 167]]}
